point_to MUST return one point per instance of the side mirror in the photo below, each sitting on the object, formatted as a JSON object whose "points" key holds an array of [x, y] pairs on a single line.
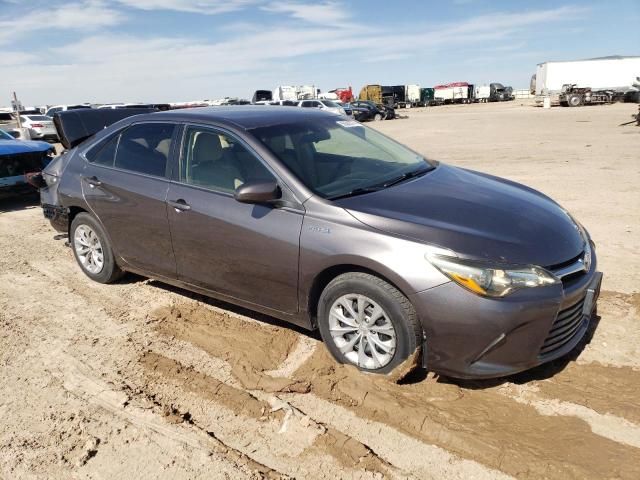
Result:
{"points": [[257, 192]]}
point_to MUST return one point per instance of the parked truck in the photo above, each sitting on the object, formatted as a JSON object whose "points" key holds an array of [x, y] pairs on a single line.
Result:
{"points": [[412, 95], [457, 92], [285, 93], [379, 94], [573, 96], [344, 94], [616, 74]]}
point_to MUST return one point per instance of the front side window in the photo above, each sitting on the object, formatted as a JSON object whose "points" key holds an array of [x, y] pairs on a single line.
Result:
{"points": [[144, 148], [218, 161], [334, 157]]}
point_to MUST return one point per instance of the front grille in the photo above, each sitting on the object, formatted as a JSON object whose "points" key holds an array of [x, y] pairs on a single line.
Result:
{"points": [[564, 328], [570, 270]]}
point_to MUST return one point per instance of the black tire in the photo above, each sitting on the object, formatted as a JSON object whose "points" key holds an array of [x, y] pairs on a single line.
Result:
{"points": [[398, 308], [574, 100], [110, 271]]}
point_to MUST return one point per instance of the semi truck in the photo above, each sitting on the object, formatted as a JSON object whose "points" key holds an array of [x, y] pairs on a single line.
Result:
{"points": [[615, 74], [285, 92], [344, 94], [494, 92], [380, 94], [457, 92]]}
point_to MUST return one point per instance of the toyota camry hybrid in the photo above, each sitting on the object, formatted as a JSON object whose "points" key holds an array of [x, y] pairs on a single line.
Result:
{"points": [[320, 221]]}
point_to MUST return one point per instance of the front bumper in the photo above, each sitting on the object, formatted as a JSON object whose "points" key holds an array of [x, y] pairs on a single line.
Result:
{"points": [[470, 336]]}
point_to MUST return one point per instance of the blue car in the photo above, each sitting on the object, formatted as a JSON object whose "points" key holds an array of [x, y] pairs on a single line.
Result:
{"points": [[18, 160]]}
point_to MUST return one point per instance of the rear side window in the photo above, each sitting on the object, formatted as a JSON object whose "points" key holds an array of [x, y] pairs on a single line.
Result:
{"points": [[144, 148], [104, 152]]}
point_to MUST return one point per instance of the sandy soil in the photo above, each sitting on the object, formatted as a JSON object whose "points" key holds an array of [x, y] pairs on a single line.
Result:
{"points": [[141, 380]]}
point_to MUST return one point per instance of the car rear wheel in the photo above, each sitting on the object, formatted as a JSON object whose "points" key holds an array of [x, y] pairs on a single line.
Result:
{"points": [[366, 322], [377, 117], [92, 250]]}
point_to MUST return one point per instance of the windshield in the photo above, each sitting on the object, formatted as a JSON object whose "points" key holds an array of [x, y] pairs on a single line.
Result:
{"points": [[330, 104], [5, 136], [334, 158]]}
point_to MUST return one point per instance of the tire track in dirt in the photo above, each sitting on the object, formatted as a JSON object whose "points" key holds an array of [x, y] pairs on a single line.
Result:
{"points": [[421, 460], [473, 424], [343, 448]]}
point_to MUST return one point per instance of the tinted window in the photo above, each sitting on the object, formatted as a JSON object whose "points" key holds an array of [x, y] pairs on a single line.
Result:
{"points": [[104, 152], [306, 104], [336, 156], [144, 148], [214, 160]]}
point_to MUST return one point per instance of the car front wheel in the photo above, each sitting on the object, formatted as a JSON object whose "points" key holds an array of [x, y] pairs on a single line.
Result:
{"points": [[92, 250], [366, 322]]}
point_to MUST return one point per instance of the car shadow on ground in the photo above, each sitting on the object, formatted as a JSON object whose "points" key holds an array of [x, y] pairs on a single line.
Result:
{"points": [[21, 202], [131, 278]]}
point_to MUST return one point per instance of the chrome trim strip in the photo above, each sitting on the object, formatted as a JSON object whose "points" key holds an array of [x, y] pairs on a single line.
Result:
{"points": [[577, 266]]}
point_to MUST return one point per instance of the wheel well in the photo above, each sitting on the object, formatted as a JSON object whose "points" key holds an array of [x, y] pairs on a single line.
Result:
{"points": [[323, 279], [73, 211]]}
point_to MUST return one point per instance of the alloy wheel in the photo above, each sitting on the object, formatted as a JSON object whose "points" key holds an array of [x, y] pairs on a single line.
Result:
{"points": [[88, 249], [362, 331]]}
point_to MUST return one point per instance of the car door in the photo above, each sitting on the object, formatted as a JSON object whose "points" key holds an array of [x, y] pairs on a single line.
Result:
{"points": [[125, 184], [245, 251]]}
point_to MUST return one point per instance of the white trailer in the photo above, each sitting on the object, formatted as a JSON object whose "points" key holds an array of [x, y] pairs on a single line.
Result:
{"points": [[608, 73], [412, 95], [483, 93], [306, 92], [457, 92], [285, 92]]}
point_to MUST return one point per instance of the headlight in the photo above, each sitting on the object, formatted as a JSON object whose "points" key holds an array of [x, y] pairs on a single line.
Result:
{"points": [[490, 280], [586, 258]]}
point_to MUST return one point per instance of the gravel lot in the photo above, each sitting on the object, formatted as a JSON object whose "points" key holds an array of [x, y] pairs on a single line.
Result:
{"points": [[142, 380]]}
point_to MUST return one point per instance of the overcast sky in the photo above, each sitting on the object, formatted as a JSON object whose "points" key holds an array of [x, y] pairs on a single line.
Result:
{"points": [[178, 50]]}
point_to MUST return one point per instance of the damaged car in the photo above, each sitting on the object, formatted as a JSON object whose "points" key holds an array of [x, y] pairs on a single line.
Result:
{"points": [[320, 221], [19, 160]]}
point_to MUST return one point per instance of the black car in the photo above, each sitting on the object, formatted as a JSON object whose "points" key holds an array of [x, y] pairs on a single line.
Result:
{"points": [[364, 110]]}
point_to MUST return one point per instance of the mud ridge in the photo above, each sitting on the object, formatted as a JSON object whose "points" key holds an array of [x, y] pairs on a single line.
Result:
{"points": [[478, 425]]}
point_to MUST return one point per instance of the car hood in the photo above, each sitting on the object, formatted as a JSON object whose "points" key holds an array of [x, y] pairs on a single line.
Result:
{"points": [[476, 215], [11, 147]]}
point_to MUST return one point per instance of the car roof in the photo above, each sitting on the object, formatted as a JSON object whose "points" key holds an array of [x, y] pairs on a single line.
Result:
{"points": [[243, 116]]}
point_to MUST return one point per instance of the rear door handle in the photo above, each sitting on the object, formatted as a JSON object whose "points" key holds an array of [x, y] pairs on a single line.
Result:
{"points": [[179, 205], [93, 181]]}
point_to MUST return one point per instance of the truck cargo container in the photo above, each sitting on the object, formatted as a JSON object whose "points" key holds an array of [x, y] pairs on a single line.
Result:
{"points": [[412, 95], [607, 73], [457, 92], [482, 93], [306, 92], [285, 92]]}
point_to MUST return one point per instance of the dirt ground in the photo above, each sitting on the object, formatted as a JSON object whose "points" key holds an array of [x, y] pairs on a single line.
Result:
{"points": [[142, 380]]}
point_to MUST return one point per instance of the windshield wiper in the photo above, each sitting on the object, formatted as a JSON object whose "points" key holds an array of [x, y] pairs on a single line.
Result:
{"points": [[355, 192], [374, 188], [406, 176]]}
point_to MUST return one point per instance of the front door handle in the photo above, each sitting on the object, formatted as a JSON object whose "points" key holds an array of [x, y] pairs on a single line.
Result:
{"points": [[179, 205], [93, 181]]}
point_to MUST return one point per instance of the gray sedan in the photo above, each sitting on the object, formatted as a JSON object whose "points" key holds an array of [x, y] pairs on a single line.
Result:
{"points": [[317, 220]]}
